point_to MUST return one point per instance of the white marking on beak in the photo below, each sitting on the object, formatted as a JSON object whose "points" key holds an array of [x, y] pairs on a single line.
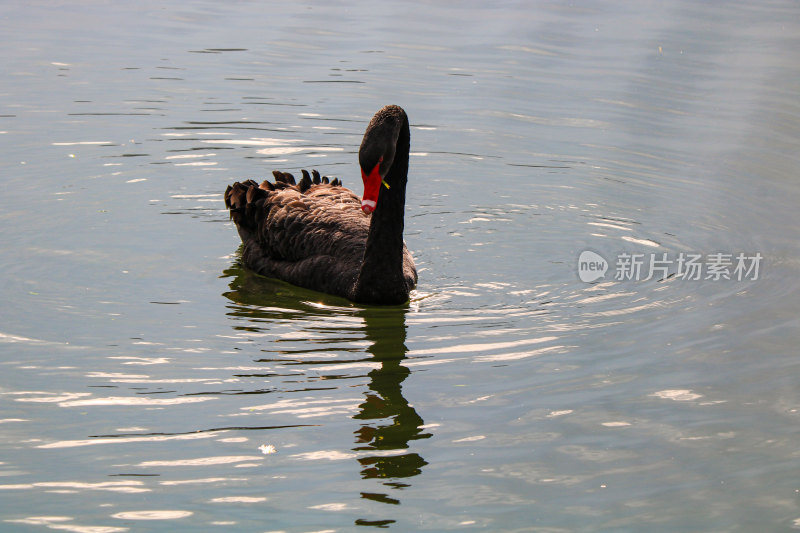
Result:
{"points": [[368, 205]]}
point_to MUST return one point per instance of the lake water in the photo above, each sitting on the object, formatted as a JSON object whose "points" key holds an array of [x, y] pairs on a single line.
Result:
{"points": [[149, 383]]}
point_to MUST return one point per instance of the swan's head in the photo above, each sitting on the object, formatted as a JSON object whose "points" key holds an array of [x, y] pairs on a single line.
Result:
{"points": [[376, 154]]}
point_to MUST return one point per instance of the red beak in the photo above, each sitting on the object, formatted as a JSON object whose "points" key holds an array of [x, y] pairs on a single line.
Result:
{"points": [[372, 186]]}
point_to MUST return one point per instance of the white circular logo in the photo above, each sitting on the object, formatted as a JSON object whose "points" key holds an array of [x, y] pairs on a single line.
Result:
{"points": [[591, 266]]}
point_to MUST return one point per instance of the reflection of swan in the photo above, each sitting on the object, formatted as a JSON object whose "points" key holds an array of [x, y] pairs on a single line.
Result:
{"points": [[251, 292], [319, 235], [390, 422]]}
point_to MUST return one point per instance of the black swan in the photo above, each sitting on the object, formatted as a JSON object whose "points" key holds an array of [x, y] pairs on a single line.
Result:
{"points": [[319, 235]]}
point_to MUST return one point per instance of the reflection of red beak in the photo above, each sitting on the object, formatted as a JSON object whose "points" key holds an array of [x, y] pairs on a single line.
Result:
{"points": [[372, 186]]}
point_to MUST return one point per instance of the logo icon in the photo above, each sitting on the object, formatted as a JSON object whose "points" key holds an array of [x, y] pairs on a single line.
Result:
{"points": [[591, 266]]}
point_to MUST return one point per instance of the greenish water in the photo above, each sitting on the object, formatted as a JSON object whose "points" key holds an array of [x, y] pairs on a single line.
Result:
{"points": [[145, 373]]}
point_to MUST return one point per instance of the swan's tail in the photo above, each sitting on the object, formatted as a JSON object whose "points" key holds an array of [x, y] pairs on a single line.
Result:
{"points": [[245, 200]]}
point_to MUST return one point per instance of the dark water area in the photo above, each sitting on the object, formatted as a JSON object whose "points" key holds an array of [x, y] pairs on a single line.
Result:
{"points": [[150, 383]]}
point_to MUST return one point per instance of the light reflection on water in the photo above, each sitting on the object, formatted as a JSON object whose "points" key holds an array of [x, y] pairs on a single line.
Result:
{"points": [[148, 381]]}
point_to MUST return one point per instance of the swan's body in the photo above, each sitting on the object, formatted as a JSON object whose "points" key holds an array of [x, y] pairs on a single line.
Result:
{"points": [[320, 235]]}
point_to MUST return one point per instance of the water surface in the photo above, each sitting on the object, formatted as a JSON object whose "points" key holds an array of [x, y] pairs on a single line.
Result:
{"points": [[149, 382]]}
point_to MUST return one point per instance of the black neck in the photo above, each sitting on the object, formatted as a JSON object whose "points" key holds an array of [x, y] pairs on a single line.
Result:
{"points": [[381, 277]]}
